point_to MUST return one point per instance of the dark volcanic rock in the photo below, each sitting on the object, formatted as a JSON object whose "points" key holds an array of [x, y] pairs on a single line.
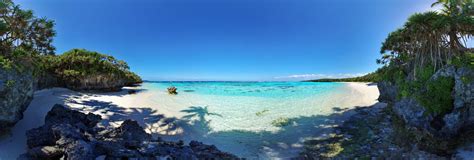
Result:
{"points": [[73, 135], [129, 134], [59, 114], [42, 136]]}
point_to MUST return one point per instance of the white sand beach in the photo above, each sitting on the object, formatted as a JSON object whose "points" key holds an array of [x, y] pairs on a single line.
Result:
{"points": [[167, 122]]}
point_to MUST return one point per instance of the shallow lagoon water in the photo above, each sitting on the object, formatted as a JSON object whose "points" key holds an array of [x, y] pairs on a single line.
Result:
{"points": [[237, 116]]}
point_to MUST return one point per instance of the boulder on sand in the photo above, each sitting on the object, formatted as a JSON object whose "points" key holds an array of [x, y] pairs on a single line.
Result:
{"points": [[74, 135]]}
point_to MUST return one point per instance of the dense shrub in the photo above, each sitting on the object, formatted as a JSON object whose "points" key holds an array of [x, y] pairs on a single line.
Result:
{"points": [[466, 59], [437, 97], [79, 63]]}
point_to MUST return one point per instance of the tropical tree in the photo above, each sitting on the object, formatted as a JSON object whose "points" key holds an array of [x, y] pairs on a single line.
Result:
{"points": [[431, 38], [458, 18], [21, 29]]}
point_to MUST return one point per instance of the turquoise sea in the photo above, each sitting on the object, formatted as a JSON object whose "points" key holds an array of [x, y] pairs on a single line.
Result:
{"points": [[256, 120]]}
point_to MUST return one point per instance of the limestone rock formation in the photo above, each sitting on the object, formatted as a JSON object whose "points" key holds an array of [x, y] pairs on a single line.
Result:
{"points": [[99, 82], [448, 125], [16, 92]]}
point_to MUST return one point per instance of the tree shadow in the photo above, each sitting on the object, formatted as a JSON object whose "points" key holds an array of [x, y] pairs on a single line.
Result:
{"points": [[285, 142], [199, 112], [112, 114]]}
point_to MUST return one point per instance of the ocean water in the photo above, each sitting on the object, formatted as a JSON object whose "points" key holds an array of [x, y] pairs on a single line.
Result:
{"points": [[240, 117]]}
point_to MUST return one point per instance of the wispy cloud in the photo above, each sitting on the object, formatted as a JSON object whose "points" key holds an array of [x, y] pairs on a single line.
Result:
{"points": [[318, 76]]}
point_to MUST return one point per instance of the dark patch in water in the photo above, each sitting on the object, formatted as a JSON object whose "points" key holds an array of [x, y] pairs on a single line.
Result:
{"points": [[188, 90]]}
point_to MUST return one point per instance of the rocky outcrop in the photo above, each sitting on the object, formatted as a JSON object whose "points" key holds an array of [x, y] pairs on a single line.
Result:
{"points": [[412, 113], [172, 90], [462, 115], [388, 92], [47, 80], [371, 133], [16, 92], [98, 82], [73, 135], [447, 125]]}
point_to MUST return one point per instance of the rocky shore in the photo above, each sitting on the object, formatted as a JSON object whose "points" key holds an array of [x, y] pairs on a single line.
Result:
{"points": [[402, 128], [370, 133], [71, 134]]}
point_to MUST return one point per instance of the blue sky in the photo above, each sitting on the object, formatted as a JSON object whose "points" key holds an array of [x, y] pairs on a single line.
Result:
{"points": [[230, 39]]}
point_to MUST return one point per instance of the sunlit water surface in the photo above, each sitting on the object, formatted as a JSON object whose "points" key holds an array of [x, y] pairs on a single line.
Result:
{"points": [[239, 117]]}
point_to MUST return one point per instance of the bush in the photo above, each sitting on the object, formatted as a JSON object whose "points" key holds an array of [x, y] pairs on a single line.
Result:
{"points": [[132, 78], [5, 63], [391, 73], [464, 60], [80, 63], [437, 97]]}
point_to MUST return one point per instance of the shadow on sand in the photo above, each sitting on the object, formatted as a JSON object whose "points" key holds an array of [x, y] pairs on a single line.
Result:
{"points": [[287, 142]]}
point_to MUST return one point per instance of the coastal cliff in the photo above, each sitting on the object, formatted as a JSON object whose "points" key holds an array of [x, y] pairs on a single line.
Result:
{"points": [[431, 124], [16, 93], [20, 81]]}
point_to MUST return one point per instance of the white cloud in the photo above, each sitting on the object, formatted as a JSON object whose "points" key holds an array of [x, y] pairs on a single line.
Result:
{"points": [[318, 76]]}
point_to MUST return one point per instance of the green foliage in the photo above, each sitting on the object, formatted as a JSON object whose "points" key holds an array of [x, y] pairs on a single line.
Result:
{"points": [[371, 77], [260, 113], [437, 97], [434, 95], [71, 74], [467, 79], [464, 60], [391, 73], [10, 83], [21, 29], [281, 122], [80, 63], [6, 63], [404, 90], [410, 88], [132, 77], [432, 38]]}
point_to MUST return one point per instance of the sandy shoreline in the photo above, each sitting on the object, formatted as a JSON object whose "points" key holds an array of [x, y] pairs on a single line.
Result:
{"points": [[116, 107]]}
